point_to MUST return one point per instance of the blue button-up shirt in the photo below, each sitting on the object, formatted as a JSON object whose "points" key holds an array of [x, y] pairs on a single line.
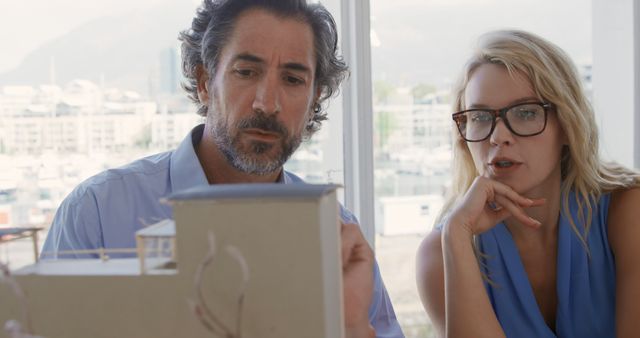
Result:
{"points": [[106, 210]]}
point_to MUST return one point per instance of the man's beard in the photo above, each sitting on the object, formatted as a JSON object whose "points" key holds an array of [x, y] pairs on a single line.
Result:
{"points": [[252, 157]]}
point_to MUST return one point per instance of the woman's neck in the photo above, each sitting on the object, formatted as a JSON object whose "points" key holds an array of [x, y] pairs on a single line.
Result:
{"points": [[548, 214]]}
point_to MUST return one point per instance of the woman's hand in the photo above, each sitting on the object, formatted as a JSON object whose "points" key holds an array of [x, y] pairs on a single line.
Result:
{"points": [[489, 202], [467, 309]]}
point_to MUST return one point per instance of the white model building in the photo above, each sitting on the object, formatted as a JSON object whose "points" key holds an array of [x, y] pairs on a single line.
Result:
{"points": [[258, 260]]}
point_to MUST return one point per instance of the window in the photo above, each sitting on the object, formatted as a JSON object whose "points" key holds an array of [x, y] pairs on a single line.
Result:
{"points": [[90, 107], [70, 108], [418, 49], [101, 117]]}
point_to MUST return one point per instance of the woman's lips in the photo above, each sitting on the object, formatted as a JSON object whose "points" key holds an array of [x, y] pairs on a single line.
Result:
{"points": [[500, 168]]}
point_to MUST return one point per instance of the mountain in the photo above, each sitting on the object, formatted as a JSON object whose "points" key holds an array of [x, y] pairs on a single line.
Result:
{"points": [[418, 41], [123, 51]]}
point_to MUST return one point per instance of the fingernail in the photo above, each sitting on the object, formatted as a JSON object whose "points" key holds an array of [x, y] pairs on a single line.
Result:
{"points": [[535, 221]]}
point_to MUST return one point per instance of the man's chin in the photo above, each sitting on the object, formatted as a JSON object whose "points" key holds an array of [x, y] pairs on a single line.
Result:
{"points": [[258, 158], [261, 164], [259, 170]]}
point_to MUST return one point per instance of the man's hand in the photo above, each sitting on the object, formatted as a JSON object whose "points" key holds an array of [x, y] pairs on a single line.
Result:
{"points": [[357, 276]]}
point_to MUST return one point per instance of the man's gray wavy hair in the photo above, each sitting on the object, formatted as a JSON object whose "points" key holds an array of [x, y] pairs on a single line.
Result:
{"points": [[214, 23]]}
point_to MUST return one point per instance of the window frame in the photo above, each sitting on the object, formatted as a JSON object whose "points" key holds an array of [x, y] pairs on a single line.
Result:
{"points": [[616, 79], [357, 105]]}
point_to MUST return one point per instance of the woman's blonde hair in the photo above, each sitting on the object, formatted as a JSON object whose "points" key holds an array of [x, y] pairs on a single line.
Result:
{"points": [[554, 79]]}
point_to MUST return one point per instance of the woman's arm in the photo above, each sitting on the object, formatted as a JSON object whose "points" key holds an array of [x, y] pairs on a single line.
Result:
{"points": [[449, 278], [468, 309], [430, 280], [465, 311], [624, 237]]}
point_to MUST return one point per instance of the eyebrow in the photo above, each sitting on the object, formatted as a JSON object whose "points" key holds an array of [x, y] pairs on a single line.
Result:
{"points": [[295, 66], [520, 100]]}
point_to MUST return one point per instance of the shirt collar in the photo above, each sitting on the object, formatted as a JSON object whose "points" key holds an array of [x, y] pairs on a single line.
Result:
{"points": [[185, 169], [284, 177]]}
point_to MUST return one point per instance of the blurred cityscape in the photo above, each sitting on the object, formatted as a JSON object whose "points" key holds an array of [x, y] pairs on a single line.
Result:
{"points": [[53, 137]]}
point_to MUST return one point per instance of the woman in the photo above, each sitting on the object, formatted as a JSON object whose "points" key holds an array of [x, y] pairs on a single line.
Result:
{"points": [[540, 237]]}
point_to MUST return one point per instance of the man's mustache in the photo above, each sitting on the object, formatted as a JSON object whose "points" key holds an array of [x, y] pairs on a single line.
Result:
{"points": [[262, 121]]}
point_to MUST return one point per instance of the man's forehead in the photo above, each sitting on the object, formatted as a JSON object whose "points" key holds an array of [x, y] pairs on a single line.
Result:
{"points": [[271, 38]]}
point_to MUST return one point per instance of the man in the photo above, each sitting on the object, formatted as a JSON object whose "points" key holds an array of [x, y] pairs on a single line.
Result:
{"points": [[259, 71]]}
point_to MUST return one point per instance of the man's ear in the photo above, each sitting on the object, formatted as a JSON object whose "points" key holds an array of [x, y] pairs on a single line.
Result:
{"points": [[316, 99], [203, 85], [318, 93]]}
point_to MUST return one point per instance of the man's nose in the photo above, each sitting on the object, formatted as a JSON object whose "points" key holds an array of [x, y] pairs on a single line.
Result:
{"points": [[267, 98]]}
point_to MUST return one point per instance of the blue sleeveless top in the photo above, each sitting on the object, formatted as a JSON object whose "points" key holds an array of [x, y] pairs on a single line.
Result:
{"points": [[585, 285]]}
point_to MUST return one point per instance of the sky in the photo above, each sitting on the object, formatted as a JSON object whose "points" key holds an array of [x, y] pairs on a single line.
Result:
{"points": [[414, 35], [428, 41], [25, 25]]}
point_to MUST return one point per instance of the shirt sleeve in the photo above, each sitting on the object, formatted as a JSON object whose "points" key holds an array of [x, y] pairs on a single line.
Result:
{"points": [[76, 226], [381, 314]]}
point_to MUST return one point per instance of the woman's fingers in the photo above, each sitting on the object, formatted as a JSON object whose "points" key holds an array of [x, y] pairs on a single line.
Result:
{"points": [[510, 208], [515, 203], [489, 202], [503, 189]]}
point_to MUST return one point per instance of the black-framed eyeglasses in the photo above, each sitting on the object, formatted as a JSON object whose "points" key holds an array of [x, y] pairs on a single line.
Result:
{"points": [[522, 119]]}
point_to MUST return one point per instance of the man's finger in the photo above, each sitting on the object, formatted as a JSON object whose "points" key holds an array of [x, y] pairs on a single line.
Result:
{"points": [[353, 243]]}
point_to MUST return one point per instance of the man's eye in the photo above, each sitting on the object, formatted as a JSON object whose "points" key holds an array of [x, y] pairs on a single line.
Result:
{"points": [[293, 80], [244, 72]]}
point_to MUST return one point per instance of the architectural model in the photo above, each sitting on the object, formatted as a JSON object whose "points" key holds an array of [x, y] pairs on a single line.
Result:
{"points": [[259, 260]]}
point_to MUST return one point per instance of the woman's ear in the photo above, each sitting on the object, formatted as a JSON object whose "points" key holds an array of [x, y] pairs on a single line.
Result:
{"points": [[203, 85]]}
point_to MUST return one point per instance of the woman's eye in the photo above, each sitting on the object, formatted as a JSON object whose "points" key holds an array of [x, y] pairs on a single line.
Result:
{"points": [[481, 117], [526, 114]]}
